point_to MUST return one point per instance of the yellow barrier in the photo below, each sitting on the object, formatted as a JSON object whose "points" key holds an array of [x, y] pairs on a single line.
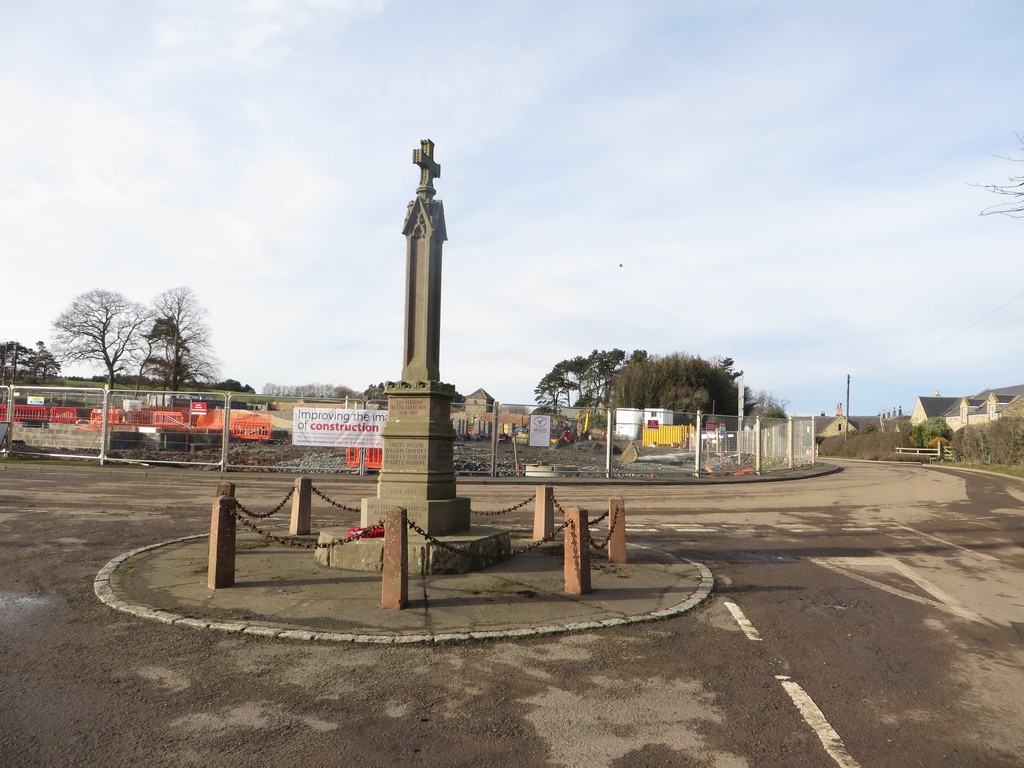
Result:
{"points": [[666, 435]]}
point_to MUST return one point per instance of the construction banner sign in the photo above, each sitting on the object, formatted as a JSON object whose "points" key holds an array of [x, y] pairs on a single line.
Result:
{"points": [[338, 427]]}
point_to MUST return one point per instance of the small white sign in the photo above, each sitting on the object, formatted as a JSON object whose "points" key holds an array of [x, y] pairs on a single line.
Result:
{"points": [[540, 431]]}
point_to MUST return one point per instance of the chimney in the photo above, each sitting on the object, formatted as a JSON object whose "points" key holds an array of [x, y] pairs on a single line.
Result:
{"points": [[839, 409]]}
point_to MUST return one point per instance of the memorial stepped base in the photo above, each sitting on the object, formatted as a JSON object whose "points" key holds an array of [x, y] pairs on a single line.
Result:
{"points": [[482, 546]]}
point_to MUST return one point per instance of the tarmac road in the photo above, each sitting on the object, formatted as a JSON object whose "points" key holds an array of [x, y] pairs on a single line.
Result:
{"points": [[873, 617]]}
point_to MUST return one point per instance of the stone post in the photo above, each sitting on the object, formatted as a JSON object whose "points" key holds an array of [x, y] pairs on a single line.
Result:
{"points": [[577, 552], [394, 591], [617, 530], [221, 569], [544, 512], [302, 499]]}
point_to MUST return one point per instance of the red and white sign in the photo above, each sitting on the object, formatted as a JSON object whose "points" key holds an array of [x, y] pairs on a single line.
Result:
{"points": [[652, 423], [197, 408], [338, 427], [540, 431]]}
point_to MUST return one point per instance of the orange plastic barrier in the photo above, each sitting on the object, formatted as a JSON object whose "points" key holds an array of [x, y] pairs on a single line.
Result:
{"points": [[251, 427], [137, 418], [374, 457], [170, 420], [96, 417], [60, 414], [29, 412], [211, 421]]}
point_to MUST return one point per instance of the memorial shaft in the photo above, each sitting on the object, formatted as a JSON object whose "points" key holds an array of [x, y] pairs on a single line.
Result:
{"points": [[417, 472]]}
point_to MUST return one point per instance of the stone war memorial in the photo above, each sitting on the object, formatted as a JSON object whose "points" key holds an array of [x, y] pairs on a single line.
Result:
{"points": [[417, 473]]}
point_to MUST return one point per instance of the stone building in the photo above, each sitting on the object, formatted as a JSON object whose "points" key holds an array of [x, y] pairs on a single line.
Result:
{"points": [[831, 426], [959, 412]]}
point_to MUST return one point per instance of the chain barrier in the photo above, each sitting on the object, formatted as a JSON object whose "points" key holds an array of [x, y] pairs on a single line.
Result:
{"points": [[331, 501], [241, 513], [264, 515], [539, 542], [558, 506], [455, 550], [603, 544], [296, 543], [575, 540], [505, 511]]}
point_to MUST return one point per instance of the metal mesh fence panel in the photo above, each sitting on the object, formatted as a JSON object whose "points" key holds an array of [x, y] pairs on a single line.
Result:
{"points": [[653, 443], [775, 448], [804, 443], [261, 434], [164, 427], [53, 421], [531, 441]]}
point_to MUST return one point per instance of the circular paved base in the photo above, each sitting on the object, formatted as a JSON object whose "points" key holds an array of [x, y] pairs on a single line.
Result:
{"points": [[282, 593]]}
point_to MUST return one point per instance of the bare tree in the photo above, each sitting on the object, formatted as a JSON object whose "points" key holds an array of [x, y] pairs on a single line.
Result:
{"points": [[1012, 191], [179, 340], [322, 391], [767, 405], [100, 326]]}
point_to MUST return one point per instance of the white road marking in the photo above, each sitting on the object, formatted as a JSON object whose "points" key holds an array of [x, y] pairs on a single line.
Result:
{"points": [[816, 719], [944, 542], [942, 601], [748, 629]]}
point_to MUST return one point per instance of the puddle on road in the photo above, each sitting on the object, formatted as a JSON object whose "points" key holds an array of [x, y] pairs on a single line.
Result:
{"points": [[15, 606]]}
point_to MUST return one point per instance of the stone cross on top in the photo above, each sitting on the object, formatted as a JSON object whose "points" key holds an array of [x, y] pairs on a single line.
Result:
{"points": [[424, 158]]}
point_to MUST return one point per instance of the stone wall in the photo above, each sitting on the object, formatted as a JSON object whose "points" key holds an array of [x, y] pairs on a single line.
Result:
{"points": [[55, 436]]}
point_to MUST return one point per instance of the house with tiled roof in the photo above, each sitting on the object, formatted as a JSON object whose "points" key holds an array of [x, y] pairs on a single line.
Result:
{"points": [[934, 407], [830, 426], [959, 412]]}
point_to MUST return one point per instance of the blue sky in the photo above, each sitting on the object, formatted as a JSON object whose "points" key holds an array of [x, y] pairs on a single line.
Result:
{"points": [[789, 184]]}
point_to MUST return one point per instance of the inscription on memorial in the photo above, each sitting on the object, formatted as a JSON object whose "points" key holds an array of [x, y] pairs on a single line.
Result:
{"points": [[408, 408], [416, 454], [418, 409], [398, 492]]}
